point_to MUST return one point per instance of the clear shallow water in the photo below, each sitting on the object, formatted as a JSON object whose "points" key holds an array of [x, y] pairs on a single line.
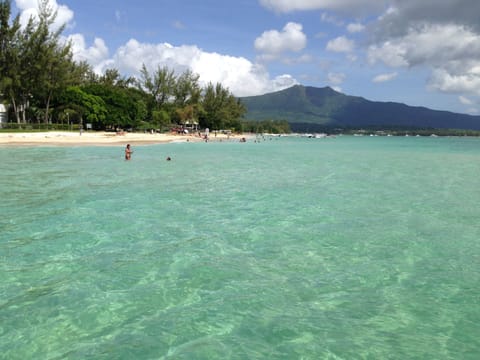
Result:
{"points": [[287, 249]]}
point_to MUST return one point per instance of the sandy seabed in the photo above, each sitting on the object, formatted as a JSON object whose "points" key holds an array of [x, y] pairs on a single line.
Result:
{"points": [[91, 138]]}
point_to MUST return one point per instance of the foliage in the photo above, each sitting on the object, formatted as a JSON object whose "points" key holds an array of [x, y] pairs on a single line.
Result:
{"points": [[161, 119], [41, 82], [84, 106], [159, 86], [220, 109], [8, 48]]}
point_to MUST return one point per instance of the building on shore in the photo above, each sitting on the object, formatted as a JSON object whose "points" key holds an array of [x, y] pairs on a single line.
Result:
{"points": [[3, 114], [3, 111]]}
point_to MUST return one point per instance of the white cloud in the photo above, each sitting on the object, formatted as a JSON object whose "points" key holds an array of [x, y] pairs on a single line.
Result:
{"points": [[469, 102], [29, 8], [443, 36], [95, 55], [331, 19], [452, 51], [444, 81], [346, 6], [355, 28], [432, 44], [241, 76], [271, 44], [280, 82], [384, 77], [336, 78], [352, 57], [404, 15], [391, 54], [464, 100], [341, 44]]}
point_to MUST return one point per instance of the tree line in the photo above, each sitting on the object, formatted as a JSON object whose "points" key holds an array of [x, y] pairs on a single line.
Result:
{"points": [[41, 83]]}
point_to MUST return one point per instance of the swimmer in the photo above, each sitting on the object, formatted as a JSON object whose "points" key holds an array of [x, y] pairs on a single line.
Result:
{"points": [[128, 152]]}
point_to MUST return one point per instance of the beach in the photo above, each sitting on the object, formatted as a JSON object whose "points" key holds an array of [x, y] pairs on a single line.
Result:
{"points": [[99, 138]]}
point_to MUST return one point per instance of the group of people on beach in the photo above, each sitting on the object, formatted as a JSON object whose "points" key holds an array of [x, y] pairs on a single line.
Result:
{"points": [[129, 151]]}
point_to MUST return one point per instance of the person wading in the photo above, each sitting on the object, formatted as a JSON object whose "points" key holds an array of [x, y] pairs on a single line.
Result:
{"points": [[128, 152]]}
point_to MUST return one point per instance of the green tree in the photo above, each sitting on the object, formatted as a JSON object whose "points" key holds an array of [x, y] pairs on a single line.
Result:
{"points": [[219, 107], [121, 104], [8, 51], [35, 65], [8, 37], [89, 107], [141, 110], [80, 73], [10, 57], [53, 60], [24, 79], [187, 95], [187, 90], [112, 77], [160, 86], [161, 118]]}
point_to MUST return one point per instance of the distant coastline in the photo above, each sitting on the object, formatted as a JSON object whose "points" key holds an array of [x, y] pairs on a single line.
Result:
{"points": [[381, 130]]}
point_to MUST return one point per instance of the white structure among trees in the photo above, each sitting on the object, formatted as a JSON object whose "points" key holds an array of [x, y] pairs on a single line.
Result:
{"points": [[3, 114]]}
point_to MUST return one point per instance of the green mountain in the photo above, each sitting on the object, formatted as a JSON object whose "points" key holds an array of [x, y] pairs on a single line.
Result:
{"points": [[309, 108]]}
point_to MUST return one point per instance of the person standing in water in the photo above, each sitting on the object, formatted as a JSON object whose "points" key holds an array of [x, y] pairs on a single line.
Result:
{"points": [[128, 152]]}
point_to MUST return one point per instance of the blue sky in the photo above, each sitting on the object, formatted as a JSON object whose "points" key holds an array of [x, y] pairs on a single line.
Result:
{"points": [[422, 53]]}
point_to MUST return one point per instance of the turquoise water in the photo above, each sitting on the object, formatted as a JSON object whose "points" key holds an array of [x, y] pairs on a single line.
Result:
{"points": [[344, 248]]}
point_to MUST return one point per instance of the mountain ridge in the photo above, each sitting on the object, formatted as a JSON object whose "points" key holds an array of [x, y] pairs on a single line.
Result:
{"points": [[307, 106]]}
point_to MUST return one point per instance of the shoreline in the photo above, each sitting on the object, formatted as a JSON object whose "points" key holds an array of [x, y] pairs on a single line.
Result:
{"points": [[101, 138]]}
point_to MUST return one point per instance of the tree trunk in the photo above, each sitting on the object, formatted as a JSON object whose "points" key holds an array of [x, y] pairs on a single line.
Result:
{"points": [[15, 109], [47, 107], [24, 111]]}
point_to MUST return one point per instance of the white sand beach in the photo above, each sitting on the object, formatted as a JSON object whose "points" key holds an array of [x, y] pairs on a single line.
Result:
{"points": [[93, 138]]}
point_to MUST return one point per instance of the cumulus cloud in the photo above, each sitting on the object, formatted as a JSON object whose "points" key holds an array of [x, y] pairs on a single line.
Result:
{"points": [[467, 82], [271, 44], [384, 77], [404, 15], [345, 6], [341, 44], [432, 44], [241, 76], [391, 54], [452, 51], [96, 55], [441, 35], [29, 8]]}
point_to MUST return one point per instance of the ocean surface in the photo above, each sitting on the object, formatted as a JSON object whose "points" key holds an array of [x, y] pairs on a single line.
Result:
{"points": [[288, 248]]}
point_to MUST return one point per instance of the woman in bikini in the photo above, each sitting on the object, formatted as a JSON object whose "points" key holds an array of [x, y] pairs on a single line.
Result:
{"points": [[128, 152]]}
